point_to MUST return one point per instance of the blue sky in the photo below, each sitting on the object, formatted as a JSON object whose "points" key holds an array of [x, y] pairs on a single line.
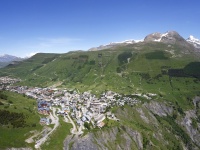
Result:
{"points": [[59, 26]]}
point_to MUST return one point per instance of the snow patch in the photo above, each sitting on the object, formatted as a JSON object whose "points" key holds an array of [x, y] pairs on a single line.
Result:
{"points": [[194, 41]]}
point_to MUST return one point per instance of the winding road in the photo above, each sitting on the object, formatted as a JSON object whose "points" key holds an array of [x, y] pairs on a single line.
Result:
{"points": [[43, 139]]}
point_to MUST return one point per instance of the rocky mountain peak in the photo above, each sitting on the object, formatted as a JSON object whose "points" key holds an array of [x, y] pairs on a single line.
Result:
{"points": [[194, 41], [170, 37]]}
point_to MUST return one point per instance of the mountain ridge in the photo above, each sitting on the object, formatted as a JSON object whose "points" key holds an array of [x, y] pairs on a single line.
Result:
{"points": [[6, 59], [9, 58], [169, 37], [194, 41]]}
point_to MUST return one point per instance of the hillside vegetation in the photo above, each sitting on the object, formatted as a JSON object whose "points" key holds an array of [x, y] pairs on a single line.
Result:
{"points": [[137, 68], [142, 68], [18, 116]]}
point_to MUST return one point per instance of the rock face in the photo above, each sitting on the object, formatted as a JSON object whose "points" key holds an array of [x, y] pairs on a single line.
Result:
{"points": [[84, 143], [159, 109], [171, 38], [153, 37], [102, 140], [192, 131]]}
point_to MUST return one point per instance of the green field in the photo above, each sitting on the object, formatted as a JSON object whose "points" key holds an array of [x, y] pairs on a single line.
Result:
{"points": [[15, 137]]}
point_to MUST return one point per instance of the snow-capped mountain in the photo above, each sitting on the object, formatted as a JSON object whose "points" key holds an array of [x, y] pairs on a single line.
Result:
{"points": [[113, 44], [192, 40], [169, 37], [9, 58]]}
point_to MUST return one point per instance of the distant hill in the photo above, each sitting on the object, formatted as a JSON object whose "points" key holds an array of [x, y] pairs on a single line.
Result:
{"points": [[7, 59], [130, 61]]}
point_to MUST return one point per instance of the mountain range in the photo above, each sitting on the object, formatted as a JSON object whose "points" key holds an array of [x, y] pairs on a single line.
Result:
{"points": [[170, 37], [7, 59], [164, 65]]}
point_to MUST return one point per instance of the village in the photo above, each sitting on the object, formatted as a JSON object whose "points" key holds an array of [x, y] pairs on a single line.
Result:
{"points": [[76, 108], [82, 108]]}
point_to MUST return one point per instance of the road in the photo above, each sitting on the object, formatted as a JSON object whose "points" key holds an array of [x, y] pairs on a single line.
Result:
{"points": [[43, 139], [74, 129]]}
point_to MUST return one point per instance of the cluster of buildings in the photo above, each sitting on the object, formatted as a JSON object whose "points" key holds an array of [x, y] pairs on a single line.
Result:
{"points": [[7, 81], [43, 107], [82, 108]]}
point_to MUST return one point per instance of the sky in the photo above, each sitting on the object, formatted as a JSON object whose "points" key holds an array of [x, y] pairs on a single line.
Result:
{"points": [[59, 26]]}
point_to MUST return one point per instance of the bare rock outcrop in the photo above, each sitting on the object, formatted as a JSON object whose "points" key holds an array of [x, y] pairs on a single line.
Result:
{"points": [[192, 131], [103, 140], [159, 108]]}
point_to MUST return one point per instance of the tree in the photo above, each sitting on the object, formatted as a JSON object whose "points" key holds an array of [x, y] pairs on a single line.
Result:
{"points": [[87, 125]]}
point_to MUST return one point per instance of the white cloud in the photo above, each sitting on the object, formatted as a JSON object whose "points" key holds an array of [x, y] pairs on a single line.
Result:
{"points": [[31, 54]]}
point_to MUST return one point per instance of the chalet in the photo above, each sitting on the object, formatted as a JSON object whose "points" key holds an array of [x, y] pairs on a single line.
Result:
{"points": [[44, 121], [101, 124]]}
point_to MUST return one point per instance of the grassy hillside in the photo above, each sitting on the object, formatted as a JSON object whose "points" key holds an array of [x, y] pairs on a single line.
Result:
{"points": [[137, 68], [18, 117]]}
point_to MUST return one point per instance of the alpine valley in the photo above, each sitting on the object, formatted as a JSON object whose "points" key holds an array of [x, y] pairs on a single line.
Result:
{"points": [[124, 95]]}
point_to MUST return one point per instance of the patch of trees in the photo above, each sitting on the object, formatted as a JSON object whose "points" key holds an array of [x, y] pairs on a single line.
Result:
{"points": [[12, 118], [164, 70], [123, 57], [83, 58], [193, 69], [190, 70], [37, 67], [177, 73], [157, 77], [92, 62], [47, 60], [3, 96], [66, 58], [145, 76], [87, 125], [121, 68], [179, 109], [157, 55], [176, 129], [194, 123], [1, 103]]}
